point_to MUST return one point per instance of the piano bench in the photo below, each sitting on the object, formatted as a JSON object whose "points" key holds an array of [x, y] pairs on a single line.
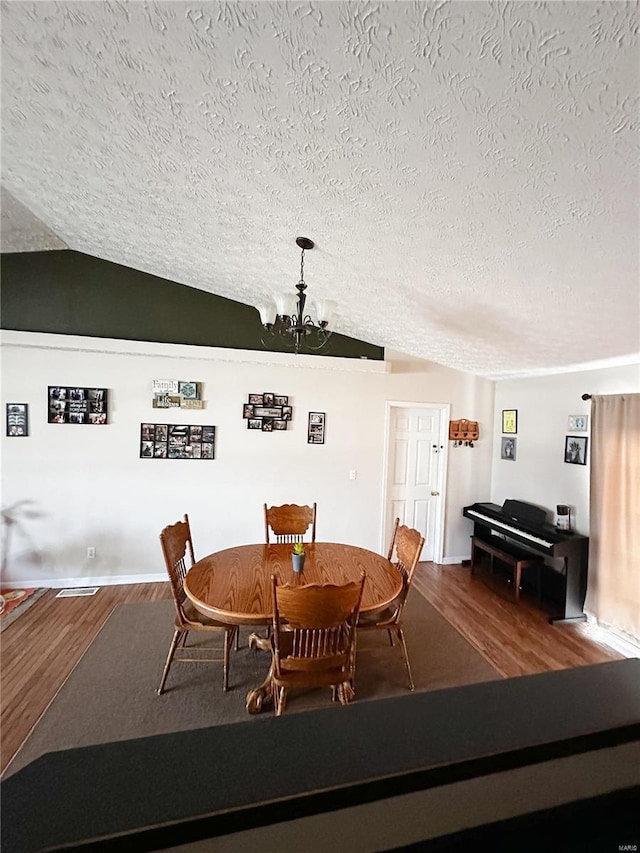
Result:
{"points": [[513, 556]]}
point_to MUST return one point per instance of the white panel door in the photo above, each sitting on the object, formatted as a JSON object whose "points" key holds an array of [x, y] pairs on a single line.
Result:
{"points": [[414, 455]]}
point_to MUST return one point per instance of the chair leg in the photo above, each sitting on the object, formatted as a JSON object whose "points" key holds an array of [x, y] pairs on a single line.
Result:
{"points": [[282, 701], [400, 633], [237, 638], [390, 636], [172, 649], [183, 642], [346, 693], [352, 665], [229, 634]]}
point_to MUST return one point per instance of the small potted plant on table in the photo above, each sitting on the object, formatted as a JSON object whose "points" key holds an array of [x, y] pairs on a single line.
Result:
{"points": [[297, 556]]}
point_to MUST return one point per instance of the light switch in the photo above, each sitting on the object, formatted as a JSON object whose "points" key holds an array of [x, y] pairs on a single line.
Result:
{"points": [[352, 474]]}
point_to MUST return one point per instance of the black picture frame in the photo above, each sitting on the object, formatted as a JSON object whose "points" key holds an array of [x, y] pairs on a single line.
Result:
{"points": [[17, 420], [575, 449], [510, 421], [72, 404], [267, 412], [315, 429], [177, 441]]}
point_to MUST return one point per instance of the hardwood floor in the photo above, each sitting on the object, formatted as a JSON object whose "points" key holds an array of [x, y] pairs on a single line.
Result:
{"points": [[515, 638], [42, 646]]}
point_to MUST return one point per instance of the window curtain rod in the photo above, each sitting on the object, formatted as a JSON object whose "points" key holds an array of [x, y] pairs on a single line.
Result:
{"points": [[586, 396]]}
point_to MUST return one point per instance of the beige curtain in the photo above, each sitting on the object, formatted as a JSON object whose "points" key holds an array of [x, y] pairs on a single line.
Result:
{"points": [[613, 592]]}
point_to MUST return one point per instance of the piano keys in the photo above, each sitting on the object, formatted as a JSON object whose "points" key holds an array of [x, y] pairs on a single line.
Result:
{"points": [[525, 524]]}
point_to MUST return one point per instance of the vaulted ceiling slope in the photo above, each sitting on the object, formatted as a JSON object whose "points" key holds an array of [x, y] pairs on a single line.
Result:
{"points": [[469, 171]]}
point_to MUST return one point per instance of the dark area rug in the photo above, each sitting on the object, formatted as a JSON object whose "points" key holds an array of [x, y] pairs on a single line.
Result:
{"points": [[111, 693]]}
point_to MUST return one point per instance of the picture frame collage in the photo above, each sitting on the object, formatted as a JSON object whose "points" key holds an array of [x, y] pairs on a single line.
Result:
{"points": [[17, 420], [315, 432], [177, 441], [267, 412], [68, 404]]}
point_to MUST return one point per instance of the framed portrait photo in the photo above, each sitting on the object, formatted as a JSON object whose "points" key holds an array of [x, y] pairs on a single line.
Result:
{"points": [[575, 449], [17, 420], [510, 421], [508, 448]]}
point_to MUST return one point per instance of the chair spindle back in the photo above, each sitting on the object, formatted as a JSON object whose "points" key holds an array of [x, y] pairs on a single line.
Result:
{"points": [[289, 522], [314, 625], [176, 544]]}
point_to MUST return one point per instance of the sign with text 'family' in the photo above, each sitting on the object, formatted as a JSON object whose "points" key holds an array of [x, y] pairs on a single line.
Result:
{"points": [[174, 394]]}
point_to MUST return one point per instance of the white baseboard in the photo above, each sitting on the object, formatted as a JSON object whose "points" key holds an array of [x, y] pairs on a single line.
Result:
{"points": [[89, 580], [449, 561]]}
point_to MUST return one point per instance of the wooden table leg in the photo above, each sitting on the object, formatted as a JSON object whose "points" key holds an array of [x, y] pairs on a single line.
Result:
{"points": [[262, 695]]}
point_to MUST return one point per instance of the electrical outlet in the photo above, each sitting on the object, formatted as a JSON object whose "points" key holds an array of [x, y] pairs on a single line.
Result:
{"points": [[352, 474], [91, 552]]}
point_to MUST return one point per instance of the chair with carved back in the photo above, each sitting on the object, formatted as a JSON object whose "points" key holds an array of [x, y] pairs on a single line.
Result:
{"points": [[177, 548], [313, 638], [289, 522], [407, 544]]}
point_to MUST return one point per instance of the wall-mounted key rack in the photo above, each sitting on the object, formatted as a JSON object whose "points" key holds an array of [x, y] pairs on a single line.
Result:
{"points": [[463, 432]]}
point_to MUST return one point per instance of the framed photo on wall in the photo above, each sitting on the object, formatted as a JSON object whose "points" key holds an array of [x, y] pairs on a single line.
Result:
{"points": [[267, 412], [17, 420], [72, 405], [575, 449], [510, 421], [177, 441], [508, 448], [315, 434], [578, 423]]}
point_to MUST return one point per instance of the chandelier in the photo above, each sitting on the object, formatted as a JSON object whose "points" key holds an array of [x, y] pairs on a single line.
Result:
{"points": [[290, 321]]}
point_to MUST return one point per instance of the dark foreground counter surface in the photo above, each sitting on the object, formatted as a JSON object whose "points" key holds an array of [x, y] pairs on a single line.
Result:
{"points": [[213, 781]]}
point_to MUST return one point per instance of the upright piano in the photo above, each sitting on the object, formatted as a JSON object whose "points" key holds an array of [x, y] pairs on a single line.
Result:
{"points": [[525, 524]]}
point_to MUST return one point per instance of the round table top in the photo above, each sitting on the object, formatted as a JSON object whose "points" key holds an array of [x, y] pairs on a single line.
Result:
{"points": [[234, 586]]}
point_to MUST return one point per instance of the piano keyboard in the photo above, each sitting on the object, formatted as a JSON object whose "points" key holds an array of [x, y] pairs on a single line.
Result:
{"points": [[518, 531]]}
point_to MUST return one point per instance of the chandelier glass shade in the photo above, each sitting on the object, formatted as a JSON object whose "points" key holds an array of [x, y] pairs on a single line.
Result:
{"points": [[293, 321]]}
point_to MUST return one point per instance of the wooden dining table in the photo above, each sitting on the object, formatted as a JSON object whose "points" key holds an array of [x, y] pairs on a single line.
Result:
{"points": [[234, 586]]}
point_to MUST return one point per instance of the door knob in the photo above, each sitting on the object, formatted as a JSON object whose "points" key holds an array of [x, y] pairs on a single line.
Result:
{"points": [[435, 494]]}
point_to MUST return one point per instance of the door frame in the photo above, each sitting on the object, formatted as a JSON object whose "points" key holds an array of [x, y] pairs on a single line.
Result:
{"points": [[445, 410]]}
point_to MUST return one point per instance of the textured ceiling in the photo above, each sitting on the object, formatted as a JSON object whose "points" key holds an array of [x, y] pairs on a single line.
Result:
{"points": [[469, 171], [22, 231]]}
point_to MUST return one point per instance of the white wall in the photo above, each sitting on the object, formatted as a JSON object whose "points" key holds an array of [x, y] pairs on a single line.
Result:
{"points": [[540, 475], [66, 488]]}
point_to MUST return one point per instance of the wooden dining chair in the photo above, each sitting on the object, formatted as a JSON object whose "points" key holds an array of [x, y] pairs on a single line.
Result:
{"points": [[313, 639], [289, 522], [392, 544], [407, 544], [177, 545]]}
